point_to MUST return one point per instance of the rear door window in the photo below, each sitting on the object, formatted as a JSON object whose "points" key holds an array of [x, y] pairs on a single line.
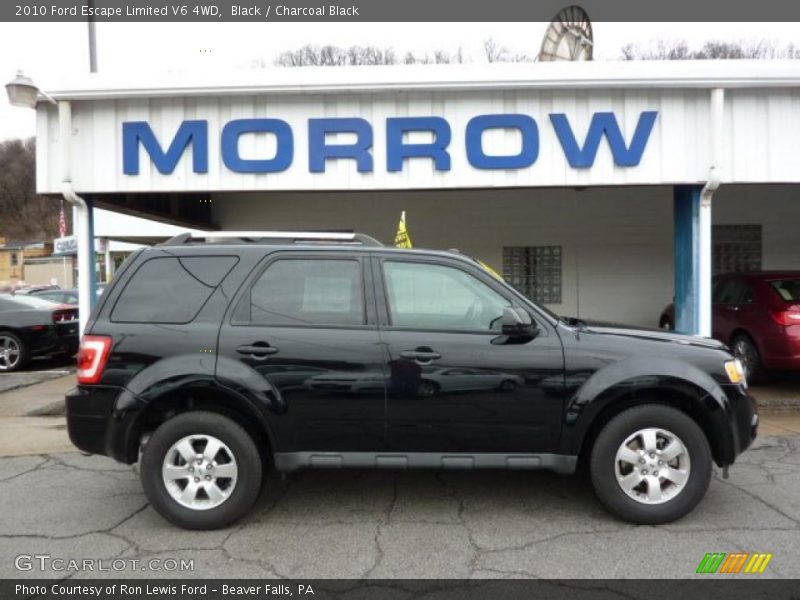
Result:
{"points": [[170, 289], [312, 292], [732, 291]]}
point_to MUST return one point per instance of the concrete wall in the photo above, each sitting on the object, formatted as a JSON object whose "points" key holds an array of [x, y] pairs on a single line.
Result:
{"points": [[777, 208], [617, 242], [621, 273]]}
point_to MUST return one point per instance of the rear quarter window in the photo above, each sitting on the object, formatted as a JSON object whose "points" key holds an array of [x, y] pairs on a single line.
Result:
{"points": [[787, 289], [170, 289]]}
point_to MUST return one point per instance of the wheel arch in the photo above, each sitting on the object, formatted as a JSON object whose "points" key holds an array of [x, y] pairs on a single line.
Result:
{"points": [[206, 395], [631, 382], [685, 402], [741, 331]]}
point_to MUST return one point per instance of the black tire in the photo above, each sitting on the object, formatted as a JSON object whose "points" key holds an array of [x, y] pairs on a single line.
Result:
{"points": [[22, 357], [745, 349], [508, 385], [244, 450], [614, 434], [427, 389]]}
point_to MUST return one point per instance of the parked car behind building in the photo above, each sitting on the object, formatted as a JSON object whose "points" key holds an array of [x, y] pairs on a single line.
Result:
{"points": [[758, 316]]}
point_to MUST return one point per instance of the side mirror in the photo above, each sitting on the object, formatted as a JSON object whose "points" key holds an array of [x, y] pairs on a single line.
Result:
{"points": [[517, 324]]}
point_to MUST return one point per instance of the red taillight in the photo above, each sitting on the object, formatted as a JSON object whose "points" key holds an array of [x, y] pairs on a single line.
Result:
{"points": [[63, 315], [92, 356], [786, 317]]}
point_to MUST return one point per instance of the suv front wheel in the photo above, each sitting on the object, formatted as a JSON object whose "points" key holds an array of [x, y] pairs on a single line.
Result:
{"points": [[651, 464], [201, 470]]}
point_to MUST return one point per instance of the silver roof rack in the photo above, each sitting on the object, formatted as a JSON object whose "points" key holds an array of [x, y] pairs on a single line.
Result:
{"points": [[274, 237]]}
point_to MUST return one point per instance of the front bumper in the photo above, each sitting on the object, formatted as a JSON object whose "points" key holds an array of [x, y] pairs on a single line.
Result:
{"points": [[741, 415]]}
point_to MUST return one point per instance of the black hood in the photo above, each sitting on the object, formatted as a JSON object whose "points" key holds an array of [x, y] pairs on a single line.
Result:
{"points": [[643, 333]]}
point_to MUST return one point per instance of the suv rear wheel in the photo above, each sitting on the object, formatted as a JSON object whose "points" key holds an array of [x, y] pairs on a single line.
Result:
{"points": [[651, 464], [201, 470]]}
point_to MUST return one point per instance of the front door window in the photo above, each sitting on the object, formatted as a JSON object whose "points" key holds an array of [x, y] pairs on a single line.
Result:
{"points": [[437, 297]]}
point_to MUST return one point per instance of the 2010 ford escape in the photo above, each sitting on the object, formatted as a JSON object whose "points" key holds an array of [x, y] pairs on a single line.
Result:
{"points": [[209, 359]]}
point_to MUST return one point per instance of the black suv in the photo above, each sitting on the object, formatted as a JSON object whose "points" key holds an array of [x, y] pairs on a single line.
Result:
{"points": [[209, 359]]}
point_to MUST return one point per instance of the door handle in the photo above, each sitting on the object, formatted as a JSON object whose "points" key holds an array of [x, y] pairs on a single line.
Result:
{"points": [[257, 351], [421, 355]]}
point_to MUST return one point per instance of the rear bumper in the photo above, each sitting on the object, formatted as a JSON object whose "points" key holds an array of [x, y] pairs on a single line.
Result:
{"points": [[781, 352], [91, 421], [50, 342], [783, 362]]}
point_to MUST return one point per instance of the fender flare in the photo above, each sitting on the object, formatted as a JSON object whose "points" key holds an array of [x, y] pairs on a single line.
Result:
{"points": [[247, 394], [634, 376]]}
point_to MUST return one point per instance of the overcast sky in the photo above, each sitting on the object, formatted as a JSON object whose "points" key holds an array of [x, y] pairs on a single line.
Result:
{"points": [[45, 51]]}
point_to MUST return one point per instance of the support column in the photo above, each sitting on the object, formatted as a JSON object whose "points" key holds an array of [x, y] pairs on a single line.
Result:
{"points": [[686, 201], [92, 254], [108, 261], [705, 268], [82, 231]]}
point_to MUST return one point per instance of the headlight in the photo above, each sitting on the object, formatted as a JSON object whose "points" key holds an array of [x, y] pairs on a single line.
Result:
{"points": [[735, 371]]}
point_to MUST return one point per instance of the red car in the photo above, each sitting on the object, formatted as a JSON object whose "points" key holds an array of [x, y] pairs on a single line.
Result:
{"points": [[758, 316]]}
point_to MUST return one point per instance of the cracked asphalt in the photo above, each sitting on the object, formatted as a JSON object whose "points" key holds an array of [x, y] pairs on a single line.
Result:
{"points": [[383, 524]]}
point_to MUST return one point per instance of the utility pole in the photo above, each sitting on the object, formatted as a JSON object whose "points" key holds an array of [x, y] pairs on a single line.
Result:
{"points": [[91, 275], [92, 38]]}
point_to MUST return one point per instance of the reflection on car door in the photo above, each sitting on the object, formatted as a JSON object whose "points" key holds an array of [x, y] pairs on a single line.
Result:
{"points": [[450, 389], [300, 318]]}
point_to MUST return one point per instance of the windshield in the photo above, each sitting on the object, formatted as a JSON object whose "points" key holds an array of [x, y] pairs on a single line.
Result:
{"points": [[8, 302], [788, 289]]}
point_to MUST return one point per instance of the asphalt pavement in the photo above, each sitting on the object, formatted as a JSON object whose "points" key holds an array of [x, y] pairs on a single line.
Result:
{"points": [[354, 524], [379, 524], [38, 371]]}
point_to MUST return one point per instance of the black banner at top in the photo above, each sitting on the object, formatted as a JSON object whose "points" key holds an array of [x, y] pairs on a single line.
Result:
{"points": [[341, 11]]}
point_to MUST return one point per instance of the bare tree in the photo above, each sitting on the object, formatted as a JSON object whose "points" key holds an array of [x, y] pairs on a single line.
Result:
{"points": [[492, 50], [661, 50], [25, 214], [716, 49], [334, 56], [495, 53]]}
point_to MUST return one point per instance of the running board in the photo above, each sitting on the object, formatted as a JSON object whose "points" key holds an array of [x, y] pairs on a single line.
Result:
{"points": [[291, 461]]}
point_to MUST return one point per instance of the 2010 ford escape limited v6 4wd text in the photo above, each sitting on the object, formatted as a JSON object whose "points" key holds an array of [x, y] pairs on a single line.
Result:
{"points": [[209, 359]]}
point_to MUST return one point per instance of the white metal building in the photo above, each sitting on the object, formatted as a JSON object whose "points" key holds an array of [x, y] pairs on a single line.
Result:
{"points": [[593, 186]]}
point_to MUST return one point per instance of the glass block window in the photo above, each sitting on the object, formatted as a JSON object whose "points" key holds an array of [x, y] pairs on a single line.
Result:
{"points": [[737, 248], [534, 271]]}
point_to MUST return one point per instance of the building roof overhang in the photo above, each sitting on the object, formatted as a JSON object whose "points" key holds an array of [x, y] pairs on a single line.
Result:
{"points": [[410, 78]]}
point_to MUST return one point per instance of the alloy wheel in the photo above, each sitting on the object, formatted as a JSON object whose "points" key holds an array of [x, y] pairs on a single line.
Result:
{"points": [[199, 472], [9, 353], [652, 466]]}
